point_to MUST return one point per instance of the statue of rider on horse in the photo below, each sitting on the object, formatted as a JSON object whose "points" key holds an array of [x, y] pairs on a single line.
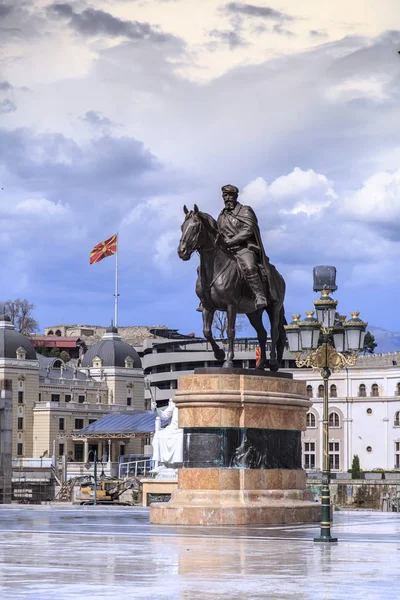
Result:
{"points": [[235, 274]]}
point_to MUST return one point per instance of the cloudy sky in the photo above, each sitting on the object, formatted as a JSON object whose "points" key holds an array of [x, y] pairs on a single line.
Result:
{"points": [[115, 113]]}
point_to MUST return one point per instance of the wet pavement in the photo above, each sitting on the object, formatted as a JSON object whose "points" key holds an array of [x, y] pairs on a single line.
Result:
{"points": [[67, 552]]}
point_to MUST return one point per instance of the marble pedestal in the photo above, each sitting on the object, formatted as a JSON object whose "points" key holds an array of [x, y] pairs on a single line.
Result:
{"points": [[242, 451]]}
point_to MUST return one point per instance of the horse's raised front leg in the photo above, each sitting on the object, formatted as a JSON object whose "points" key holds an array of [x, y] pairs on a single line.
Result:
{"points": [[208, 316], [255, 319], [231, 317]]}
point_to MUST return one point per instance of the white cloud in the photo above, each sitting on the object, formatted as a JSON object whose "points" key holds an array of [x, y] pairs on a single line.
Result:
{"points": [[165, 248], [372, 88], [298, 192], [377, 201], [41, 207]]}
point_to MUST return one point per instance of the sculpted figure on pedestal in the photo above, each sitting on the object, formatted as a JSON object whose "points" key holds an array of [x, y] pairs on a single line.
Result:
{"points": [[235, 275], [167, 442]]}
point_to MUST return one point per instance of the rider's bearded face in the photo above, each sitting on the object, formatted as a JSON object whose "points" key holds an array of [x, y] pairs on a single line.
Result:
{"points": [[230, 200]]}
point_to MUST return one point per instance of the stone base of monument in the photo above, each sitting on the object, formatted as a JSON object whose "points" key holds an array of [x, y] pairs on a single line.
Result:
{"points": [[151, 485], [242, 451]]}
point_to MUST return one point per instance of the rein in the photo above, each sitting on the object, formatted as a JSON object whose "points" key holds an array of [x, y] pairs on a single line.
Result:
{"points": [[213, 248], [222, 270]]}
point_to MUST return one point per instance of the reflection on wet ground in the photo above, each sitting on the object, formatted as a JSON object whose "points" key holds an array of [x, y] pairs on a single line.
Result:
{"points": [[67, 552]]}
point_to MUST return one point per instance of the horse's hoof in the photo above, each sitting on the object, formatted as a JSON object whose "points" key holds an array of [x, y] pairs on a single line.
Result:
{"points": [[273, 365], [228, 364], [219, 355]]}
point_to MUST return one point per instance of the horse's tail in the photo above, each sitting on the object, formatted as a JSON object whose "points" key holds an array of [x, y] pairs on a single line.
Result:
{"points": [[281, 342]]}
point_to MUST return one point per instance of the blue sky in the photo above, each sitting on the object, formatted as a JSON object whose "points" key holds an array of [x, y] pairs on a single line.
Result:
{"points": [[113, 114]]}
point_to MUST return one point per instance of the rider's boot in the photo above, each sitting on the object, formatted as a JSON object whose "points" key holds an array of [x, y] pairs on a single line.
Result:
{"points": [[256, 287], [200, 308]]}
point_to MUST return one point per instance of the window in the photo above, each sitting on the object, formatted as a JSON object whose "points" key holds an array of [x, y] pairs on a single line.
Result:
{"points": [[79, 424], [334, 420], [369, 411], [369, 449], [92, 421], [55, 397], [397, 419], [375, 390], [129, 401], [309, 455], [397, 455], [310, 419], [20, 397], [397, 392], [333, 391], [61, 423], [40, 397], [20, 422], [334, 455], [60, 449], [20, 449], [309, 391], [81, 399], [78, 451], [68, 398], [320, 391], [362, 391]]}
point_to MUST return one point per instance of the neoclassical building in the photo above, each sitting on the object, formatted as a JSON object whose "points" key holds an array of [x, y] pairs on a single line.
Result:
{"points": [[52, 400], [364, 415]]}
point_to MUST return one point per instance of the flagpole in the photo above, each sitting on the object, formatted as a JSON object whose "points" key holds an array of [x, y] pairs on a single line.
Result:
{"points": [[116, 288]]}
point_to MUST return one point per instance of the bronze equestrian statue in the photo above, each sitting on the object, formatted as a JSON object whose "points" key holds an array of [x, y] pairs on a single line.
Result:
{"points": [[235, 275]]}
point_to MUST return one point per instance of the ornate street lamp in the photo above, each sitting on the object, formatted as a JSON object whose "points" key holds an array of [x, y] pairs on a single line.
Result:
{"points": [[87, 465], [326, 343]]}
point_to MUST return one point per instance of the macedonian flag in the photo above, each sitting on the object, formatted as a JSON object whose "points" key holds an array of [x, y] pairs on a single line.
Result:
{"points": [[104, 249]]}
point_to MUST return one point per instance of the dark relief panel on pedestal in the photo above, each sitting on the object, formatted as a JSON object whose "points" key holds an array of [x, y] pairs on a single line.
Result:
{"points": [[241, 448]]}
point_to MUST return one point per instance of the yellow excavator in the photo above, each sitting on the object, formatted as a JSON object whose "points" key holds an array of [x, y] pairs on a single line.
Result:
{"points": [[106, 491]]}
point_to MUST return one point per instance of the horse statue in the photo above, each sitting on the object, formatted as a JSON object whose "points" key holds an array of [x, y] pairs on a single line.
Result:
{"points": [[220, 286]]}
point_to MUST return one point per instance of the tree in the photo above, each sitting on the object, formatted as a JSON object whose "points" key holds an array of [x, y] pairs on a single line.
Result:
{"points": [[369, 343], [21, 314], [65, 357], [42, 350], [220, 324], [355, 467]]}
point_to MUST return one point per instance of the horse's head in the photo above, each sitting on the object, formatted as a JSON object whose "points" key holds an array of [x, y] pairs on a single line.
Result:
{"points": [[193, 233]]}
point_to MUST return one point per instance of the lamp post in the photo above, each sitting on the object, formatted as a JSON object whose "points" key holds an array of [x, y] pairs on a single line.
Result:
{"points": [[87, 465], [326, 343]]}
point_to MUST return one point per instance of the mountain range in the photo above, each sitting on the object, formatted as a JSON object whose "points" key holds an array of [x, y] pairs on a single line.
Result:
{"points": [[388, 341]]}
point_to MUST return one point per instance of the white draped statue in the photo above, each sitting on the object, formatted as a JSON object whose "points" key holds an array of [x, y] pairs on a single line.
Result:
{"points": [[168, 442]]}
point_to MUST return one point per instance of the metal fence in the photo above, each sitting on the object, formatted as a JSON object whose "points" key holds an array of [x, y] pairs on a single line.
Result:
{"points": [[135, 468]]}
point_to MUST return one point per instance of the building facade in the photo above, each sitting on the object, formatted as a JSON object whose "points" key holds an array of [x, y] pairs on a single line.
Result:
{"points": [[364, 415], [53, 400]]}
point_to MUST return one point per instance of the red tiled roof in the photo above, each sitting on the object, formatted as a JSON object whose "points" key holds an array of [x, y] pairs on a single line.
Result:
{"points": [[54, 341]]}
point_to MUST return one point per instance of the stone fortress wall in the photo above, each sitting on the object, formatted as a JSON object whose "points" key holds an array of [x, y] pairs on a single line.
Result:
{"points": [[90, 334]]}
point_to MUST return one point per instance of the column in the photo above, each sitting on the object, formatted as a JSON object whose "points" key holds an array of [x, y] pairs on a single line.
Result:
{"points": [[85, 451]]}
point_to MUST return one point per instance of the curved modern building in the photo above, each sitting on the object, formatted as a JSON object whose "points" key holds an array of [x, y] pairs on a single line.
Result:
{"points": [[171, 354]]}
